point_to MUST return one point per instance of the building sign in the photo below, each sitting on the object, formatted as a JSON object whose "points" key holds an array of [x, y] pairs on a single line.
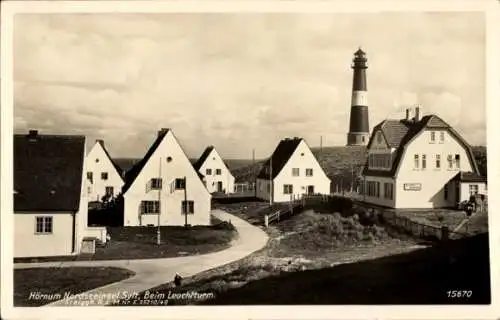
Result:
{"points": [[412, 186]]}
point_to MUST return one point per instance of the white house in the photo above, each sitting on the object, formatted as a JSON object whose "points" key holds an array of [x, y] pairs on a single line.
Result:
{"points": [[290, 172], [216, 173], [419, 163], [165, 188], [103, 174], [50, 203]]}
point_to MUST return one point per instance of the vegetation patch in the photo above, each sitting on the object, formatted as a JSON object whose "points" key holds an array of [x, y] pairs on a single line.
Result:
{"points": [[39, 286]]}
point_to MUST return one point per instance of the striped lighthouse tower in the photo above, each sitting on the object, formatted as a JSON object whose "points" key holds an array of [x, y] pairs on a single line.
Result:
{"points": [[359, 130]]}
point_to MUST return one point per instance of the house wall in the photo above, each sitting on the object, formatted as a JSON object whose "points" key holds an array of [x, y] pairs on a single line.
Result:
{"points": [[97, 189], [431, 180], [380, 200], [170, 203], [302, 158], [214, 161], [465, 191], [262, 192], [29, 244]]}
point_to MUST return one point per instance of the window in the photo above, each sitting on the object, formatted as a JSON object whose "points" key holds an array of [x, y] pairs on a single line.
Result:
{"points": [[287, 189], [89, 189], [433, 136], [156, 183], [441, 136], [363, 139], [209, 172], [104, 176], [187, 207], [150, 207], [268, 188], [388, 191], [446, 192], [109, 191], [295, 172], [416, 162], [309, 172], [450, 161], [438, 161], [372, 188], [180, 184], [457, 161], [378, 189], [90, 176], [424, 162], [379, 138], [97, 160], [218, 172], [43, 225], [473, 189]]}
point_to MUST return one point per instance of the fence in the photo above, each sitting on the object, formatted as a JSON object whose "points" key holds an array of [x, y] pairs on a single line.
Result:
{"points": [[99, 233]]}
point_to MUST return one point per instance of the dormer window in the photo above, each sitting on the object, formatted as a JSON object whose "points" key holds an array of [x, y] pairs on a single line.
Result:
{"points": [[379, 138], [433, 136], [441, 136]]}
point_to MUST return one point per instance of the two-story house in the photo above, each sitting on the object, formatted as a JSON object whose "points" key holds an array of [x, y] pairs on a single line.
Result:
{"points": [[216, 173], [104, 178], [291, 172], [419, 163], [164, 188]]}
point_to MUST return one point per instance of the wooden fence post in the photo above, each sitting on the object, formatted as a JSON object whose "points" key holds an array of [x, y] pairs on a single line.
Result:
{"points": [[266, 220], [445, 233]]}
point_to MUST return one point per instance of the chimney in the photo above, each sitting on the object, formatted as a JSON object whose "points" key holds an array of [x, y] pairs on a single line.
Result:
{"points": [[162, 131], [407, 114], [417, 113], [32, 135]]}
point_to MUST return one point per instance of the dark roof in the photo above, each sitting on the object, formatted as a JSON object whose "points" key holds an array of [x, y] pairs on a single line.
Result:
{"points": [[280, 157], [137, 168], [398, 133], [126, 163], [117, 167], [469, 177], [197, 165], [48, 172]]}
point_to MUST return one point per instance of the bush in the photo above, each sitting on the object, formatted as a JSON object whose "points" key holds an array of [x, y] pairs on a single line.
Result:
{"points": [[224, 225]]}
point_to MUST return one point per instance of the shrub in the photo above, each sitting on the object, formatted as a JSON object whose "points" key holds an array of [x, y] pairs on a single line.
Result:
{"points": [[224, 225]]}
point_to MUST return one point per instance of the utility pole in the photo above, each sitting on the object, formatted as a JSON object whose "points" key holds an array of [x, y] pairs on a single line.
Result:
{"points": [[271, 181], [185, 203], [321, 145], [158, 233], [254, 175]]}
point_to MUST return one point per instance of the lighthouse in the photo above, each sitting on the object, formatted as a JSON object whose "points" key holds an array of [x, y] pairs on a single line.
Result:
{"points": [[359, 130]]}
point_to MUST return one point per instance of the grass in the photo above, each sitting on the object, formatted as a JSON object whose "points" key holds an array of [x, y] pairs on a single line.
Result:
{"points": [[434, 217], [305, 241], [56, 282], [140, 243]]}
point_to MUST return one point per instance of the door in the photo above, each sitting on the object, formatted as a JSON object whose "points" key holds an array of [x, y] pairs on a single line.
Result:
{"points": [[310, 189], [219, 186]]}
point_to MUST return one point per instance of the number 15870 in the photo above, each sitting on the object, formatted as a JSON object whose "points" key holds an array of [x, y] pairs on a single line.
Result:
{"points": [[459, 293]]}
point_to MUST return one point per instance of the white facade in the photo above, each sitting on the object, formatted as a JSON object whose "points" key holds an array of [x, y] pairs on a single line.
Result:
{"points": [[169, 163], [302, 174], [424, 175], [101, 175], [218, 177]]}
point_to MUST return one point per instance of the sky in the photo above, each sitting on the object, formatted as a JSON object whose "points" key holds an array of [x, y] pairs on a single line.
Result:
{"points": [[241, 81]]}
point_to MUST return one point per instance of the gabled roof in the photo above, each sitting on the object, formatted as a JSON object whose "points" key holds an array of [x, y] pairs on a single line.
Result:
{"points": [[280, 157], [115, 165], [137, 168], [197, 165], [469, 177], [399, 133], [48, 171]]}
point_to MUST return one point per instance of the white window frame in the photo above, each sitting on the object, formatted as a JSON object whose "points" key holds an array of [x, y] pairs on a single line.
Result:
{"points": [[189, 204], [295, 172], [46, 224], [150, 207], [309, 172], [288, 189]]}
